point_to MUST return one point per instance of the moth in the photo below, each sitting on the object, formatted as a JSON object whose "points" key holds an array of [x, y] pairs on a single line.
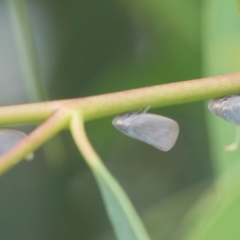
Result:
{"points": [[9, 138], [227, 108], [158, 131]]}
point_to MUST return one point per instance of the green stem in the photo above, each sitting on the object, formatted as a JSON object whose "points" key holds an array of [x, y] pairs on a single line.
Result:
{"points": [[35, 139], [236, 144], [114, 103]]}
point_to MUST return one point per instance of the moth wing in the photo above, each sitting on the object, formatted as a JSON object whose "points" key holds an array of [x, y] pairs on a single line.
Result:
{"points": [[9, 138], [227, 108], [159, 131]]}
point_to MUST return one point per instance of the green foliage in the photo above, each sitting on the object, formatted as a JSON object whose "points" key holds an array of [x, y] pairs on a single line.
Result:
{"points": [[106, 46], [218, 217]]}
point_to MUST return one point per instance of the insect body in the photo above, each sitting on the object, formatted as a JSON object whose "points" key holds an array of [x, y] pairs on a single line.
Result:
{"points": [[227, 108], [9, 138], [158, 131]]}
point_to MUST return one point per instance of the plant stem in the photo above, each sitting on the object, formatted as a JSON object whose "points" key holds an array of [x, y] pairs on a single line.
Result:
{"points": [[36, 138], [114, 103]]}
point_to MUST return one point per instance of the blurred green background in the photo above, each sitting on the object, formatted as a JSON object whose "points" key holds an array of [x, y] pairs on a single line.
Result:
{"points": [[89, 47]]}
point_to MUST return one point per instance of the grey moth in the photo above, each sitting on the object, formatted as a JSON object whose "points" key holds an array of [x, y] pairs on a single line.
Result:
{"points": [[158, 131], [9, 138], [227, 108]]}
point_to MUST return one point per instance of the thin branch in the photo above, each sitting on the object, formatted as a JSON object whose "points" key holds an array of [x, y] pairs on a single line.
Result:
{"points": [[81, 140], [36, 138], [113, 103], [236, 144]]}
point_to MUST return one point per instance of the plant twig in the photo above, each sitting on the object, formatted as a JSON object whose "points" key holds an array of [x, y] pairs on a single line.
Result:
{"points": [[114, 103], [236, 144], [48, 129]]}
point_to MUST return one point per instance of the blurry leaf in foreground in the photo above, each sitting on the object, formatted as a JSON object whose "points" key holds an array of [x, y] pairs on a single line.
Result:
{"points": [[165, 218], [217, 215], [237, 5]]}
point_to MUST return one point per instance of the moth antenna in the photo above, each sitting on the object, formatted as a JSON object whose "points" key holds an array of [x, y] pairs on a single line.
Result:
{"points": [[147, 108]]}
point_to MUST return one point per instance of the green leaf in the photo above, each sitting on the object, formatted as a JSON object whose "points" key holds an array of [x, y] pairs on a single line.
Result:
{"points": [[217, 215], [221, 55], [125, 220]]}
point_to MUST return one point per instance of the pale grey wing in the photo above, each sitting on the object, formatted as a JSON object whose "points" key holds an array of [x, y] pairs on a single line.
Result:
{"points": [[9, 138], [159, 131], [227, 108]]}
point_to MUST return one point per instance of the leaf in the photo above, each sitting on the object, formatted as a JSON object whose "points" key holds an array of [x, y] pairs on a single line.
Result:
{"points": [[217, 215], [126, 222]]}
